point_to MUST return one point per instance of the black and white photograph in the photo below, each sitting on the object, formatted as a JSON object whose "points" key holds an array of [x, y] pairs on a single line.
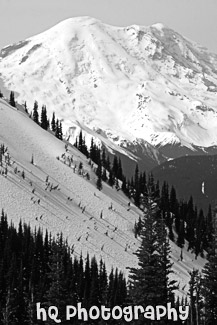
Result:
{"points": [[108, 162]]}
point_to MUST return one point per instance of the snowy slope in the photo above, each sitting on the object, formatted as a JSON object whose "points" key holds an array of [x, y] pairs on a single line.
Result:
{"points": [[130, 84], [93, 221]]}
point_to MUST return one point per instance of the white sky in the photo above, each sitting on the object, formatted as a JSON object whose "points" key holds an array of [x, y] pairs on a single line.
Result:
{"points": [[195, 19]]}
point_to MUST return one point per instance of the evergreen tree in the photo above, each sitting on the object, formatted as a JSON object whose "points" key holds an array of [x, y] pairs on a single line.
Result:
{"points": [[80, 142], [103, 283], [119, 172], [124, 185], [200, 234], [87, 282], [137, 187], [99, 176], [196, 303], [44, 120], [25, 107], [210, 279], [154, 265], [164, 201], [60, 131], [32, 160], [181, 234], [57, 293], [103, 157], [167, 286], [12, 100], [57, 130], [94, 284], [209, 227], [115, 166], [92, 151], [191, 224], [35, 113], [108, 165], [53, 123], [104, 175], [138, 227], [111, 180]]}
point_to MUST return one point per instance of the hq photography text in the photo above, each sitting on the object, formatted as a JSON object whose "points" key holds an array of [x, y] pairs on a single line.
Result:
{"points": [[128, 313]]}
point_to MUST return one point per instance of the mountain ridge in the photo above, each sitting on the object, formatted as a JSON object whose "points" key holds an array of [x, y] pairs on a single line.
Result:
{"points": [[133, 83]]}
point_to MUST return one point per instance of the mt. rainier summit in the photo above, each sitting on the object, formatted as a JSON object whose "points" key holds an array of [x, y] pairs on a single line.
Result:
{"points": [[132, 85]]}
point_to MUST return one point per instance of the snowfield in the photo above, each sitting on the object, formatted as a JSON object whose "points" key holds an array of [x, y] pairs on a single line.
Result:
{"points": [[131, 83], [53, 196]]}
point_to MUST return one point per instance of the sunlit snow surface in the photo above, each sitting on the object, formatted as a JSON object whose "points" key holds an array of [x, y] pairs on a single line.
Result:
{"points": [[134, 82], [110, 237]]}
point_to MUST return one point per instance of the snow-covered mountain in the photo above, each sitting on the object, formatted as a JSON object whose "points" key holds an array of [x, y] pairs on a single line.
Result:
{"points": [[132, 85], [52, 195]]}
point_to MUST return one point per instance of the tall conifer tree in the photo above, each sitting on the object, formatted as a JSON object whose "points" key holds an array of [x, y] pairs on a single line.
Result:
{"points": [[12, 99], [210, 279], [35, 113], [150, 284]]}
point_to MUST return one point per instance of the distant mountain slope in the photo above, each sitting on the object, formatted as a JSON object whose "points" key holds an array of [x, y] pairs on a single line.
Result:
{"points": [[52, 195], [192, 175], [135, 85]]}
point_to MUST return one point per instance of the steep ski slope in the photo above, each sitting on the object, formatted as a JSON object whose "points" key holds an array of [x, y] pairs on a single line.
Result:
{"points": [[131, 83], [93, 221]]}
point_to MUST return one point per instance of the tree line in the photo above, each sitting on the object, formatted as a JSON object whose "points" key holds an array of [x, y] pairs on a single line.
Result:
{"points": [[40, 118], [181, 217], [36, 267]]}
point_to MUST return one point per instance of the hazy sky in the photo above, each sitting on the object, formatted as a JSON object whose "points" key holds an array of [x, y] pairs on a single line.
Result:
{"points": [[195, 19]]}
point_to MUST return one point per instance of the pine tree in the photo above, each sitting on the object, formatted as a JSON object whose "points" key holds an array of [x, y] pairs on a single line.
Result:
{"points": [[25, 107], [111, 180], [115, 166], [137, 186], [165, 202], [138, 227], [94, 285], [209, 226], [32, 160], [210, 279], [99, 176], [154, 264], [57, 293], [119, 172], [60, 131], [200, 233], [92, 151], [124, 185], [80, 142], [196, 303], [104, 175], [53, 123], [167, 285], [181, 234], [44, 120], [57, 129], [35, 113], [103, 283], [108, 165], [190, 224], [12, 100], [103, 157]]}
